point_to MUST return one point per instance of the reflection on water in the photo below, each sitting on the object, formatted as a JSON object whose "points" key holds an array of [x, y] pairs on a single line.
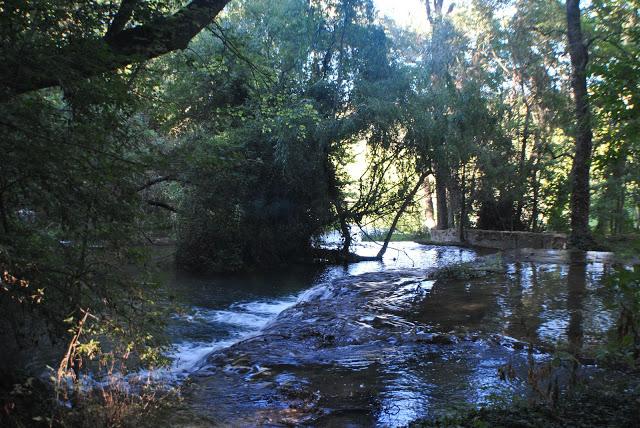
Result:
{"points": [[379, 343], [576, 290], [535, 302]]}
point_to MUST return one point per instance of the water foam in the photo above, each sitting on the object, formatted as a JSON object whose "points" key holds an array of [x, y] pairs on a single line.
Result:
{"points": [[242, 320]]}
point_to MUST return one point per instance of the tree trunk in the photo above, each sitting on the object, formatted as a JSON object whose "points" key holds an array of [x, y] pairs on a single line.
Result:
{"points": [[463, 203], [403, 207], [522, 168], [442, 214], [533, 226], [345, 230], [535, 181], [337, 201], [580, 234], [453, 200]]}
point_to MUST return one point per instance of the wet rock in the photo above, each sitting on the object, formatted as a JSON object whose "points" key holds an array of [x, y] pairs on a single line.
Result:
{"points": [[390, 322], [241, 361], [258, 372], [436, 339]]}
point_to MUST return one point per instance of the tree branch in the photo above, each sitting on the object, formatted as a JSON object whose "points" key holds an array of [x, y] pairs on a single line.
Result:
{"points": [[164, 205], [89, 57], [123, 16], [157, 180]]}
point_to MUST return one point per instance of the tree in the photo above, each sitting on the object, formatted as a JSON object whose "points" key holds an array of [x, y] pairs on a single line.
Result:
{"points": [[580, 189], [441, 50], [616, 118]]}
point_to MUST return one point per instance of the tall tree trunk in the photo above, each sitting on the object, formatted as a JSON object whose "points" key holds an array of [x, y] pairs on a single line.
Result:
{"points": [[580, 234], [463, 203], [533, 225], [442, 213], [620, 213], [453, 201], [403, 208]]}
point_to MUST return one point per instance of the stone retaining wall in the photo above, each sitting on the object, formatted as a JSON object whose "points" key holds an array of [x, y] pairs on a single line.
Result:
{"points": [[501, 239]]}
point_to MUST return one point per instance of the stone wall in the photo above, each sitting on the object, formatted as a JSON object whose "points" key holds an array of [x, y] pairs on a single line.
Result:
{"points": [[501, 239]]}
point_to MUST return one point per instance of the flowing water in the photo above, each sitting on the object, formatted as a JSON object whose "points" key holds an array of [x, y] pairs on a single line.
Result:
{"points": [[224, 310], [377, 343]]}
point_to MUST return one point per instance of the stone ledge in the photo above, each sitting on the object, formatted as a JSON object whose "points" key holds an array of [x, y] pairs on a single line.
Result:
{"points": [[501, 239]]}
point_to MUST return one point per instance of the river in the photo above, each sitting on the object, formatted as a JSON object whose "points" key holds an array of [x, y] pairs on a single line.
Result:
{"points": [[375, 343], [223, 310]]}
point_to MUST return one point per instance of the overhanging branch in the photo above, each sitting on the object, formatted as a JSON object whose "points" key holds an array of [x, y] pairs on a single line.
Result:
{"points": [[88, 57], [164, 205]]}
